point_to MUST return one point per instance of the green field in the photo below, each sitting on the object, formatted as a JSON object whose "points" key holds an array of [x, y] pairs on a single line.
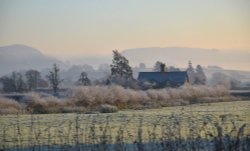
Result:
{"points": [[205, 123]]}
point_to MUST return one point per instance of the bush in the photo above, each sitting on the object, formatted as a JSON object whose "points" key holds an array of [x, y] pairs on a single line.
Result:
{"points": [[38, 105], [8, 106], [35, 104], [105, 108], [50, 104]]}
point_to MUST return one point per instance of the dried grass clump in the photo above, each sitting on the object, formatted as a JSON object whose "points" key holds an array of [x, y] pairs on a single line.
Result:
{"points": [[9, 106], [50, 104]]}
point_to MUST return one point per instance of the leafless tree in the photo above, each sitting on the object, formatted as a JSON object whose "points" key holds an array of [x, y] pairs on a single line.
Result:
{"points": [[33, 77], [83, 80], [200, 77], [54, 79]]}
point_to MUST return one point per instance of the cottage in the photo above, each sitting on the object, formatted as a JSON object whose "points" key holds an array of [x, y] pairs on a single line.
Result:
{"points": [[165, 79]]}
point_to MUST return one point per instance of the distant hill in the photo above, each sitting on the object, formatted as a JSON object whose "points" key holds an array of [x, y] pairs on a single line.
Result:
{"points": [[179, 56], [21, 57]]}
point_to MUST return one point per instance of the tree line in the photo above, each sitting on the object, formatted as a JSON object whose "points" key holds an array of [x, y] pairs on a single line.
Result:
{"points": [[121, 74]]}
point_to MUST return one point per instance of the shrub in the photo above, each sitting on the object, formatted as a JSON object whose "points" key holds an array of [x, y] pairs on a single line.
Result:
{"points": [[8, 106], [38, 105], [50, 104], [35, 104], [105, 108]]}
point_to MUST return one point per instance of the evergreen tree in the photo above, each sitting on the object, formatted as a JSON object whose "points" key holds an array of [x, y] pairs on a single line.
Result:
{"points": [[121, 72], [120, 66]]}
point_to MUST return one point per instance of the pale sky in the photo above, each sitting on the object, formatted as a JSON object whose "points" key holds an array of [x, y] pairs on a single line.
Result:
{"points": [[96, 27]]}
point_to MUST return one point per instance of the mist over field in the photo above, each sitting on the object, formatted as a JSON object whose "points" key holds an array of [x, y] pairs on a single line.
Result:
{"points": [[19, 57], [179, 56], [22, 57]]}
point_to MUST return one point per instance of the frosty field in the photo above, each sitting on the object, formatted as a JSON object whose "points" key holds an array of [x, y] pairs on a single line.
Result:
{"points": [[211, 126]]}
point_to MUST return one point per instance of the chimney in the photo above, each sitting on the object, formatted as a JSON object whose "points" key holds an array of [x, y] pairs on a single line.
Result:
{"points": [[162, 66]]}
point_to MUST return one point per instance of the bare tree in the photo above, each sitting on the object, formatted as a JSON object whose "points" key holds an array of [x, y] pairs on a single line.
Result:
{"points": [[33, 77], [200, 77], [191, 73], [157, 66], [54, 79], [142, 66], [83, 80], [14, 83]]}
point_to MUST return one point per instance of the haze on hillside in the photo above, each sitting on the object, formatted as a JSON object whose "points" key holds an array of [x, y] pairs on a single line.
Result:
{"points": [[86, 32]]}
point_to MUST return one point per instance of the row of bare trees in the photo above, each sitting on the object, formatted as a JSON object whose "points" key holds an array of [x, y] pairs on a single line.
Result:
{"points": [[31, 80], [196, 76], [18, 82]]}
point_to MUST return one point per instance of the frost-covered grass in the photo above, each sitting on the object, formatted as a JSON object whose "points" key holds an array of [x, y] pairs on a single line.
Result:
{"points": [[213, 126], [92, 98]]}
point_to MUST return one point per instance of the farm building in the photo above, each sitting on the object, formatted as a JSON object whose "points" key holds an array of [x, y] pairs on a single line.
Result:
{"points": [[165, 79]]}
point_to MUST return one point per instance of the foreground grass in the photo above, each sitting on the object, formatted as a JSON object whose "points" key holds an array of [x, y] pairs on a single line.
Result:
{"points": [[210, 126]]}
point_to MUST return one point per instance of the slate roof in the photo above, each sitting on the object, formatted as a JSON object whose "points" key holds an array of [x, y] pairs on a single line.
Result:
{"points": [[172, 78]]}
